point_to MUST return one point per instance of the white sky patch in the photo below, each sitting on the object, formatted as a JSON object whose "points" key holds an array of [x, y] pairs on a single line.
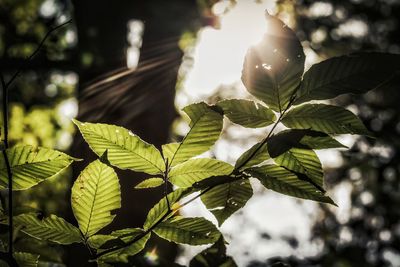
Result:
{"points": [[352, 28], [135, 33], [219, 53], [320, 9]]}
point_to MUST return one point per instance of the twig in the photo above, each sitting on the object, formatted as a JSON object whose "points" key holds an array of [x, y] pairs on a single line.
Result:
{"points": [[165, 176], [8, 167], [40, 45]]}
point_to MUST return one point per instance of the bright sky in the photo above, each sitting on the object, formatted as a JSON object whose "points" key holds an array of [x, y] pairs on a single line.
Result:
{"points": [[219, 53]]}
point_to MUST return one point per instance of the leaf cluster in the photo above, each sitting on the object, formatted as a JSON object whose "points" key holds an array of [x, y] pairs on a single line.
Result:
{"points": [[284, 162]]}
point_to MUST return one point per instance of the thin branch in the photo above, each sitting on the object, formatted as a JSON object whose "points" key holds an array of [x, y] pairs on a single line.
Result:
{"points": [[15, 75], [5, 109], [8, 167], [5, 87], [165, 176]]}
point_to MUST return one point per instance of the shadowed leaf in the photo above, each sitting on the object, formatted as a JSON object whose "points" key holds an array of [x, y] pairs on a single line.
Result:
{"points": [[224, 200], [285, 140], [324, 118], [273, 68], [213, 256], [247, 113], [191, 231], [355, 73], [286, 182]]}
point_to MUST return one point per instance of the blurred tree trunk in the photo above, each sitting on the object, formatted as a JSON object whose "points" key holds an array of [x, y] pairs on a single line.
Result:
{"points": [[141, 100]]}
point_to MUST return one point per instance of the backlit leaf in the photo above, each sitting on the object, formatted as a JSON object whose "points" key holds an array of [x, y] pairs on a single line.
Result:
{"points": [[205, 128], [95, 194], [161, 208], [30, 166], [324, 118], [286, 182], [52, 228], [122, 254], [125, 150], [150, 183], [224, 200], [247, 113], [305, 164], [194, 170], [257, 154], [191, 231], [273, 68]]}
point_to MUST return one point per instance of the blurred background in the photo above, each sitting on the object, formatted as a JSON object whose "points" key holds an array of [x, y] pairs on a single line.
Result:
{"points": [[136, 63]]}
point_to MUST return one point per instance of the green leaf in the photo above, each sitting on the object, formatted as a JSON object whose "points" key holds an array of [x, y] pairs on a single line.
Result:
{"points": [[324, 118], [253, 156], [25, 259], [191, 231], [224, 200], [273, 68], [52, 228], [247, 113], [122, 255], [356, 74], [161, 208], [116, 238], [96, 241], [285, 140], [286, 182], [194, 170], [95, 194], [213, 256], [205, 128], [125, 150], [150, 183], [30, 166], [321, 142], [305, 164]]}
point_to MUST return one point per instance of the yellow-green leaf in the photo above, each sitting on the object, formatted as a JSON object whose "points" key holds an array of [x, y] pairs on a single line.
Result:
{"points": [[324, 118], [52, 228], [205, 128], [95, 194], [150, 183], [286, 182], [247, 113], [30, 166], [194, 170], [192, 231], [125, 150], [224, 200]]}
